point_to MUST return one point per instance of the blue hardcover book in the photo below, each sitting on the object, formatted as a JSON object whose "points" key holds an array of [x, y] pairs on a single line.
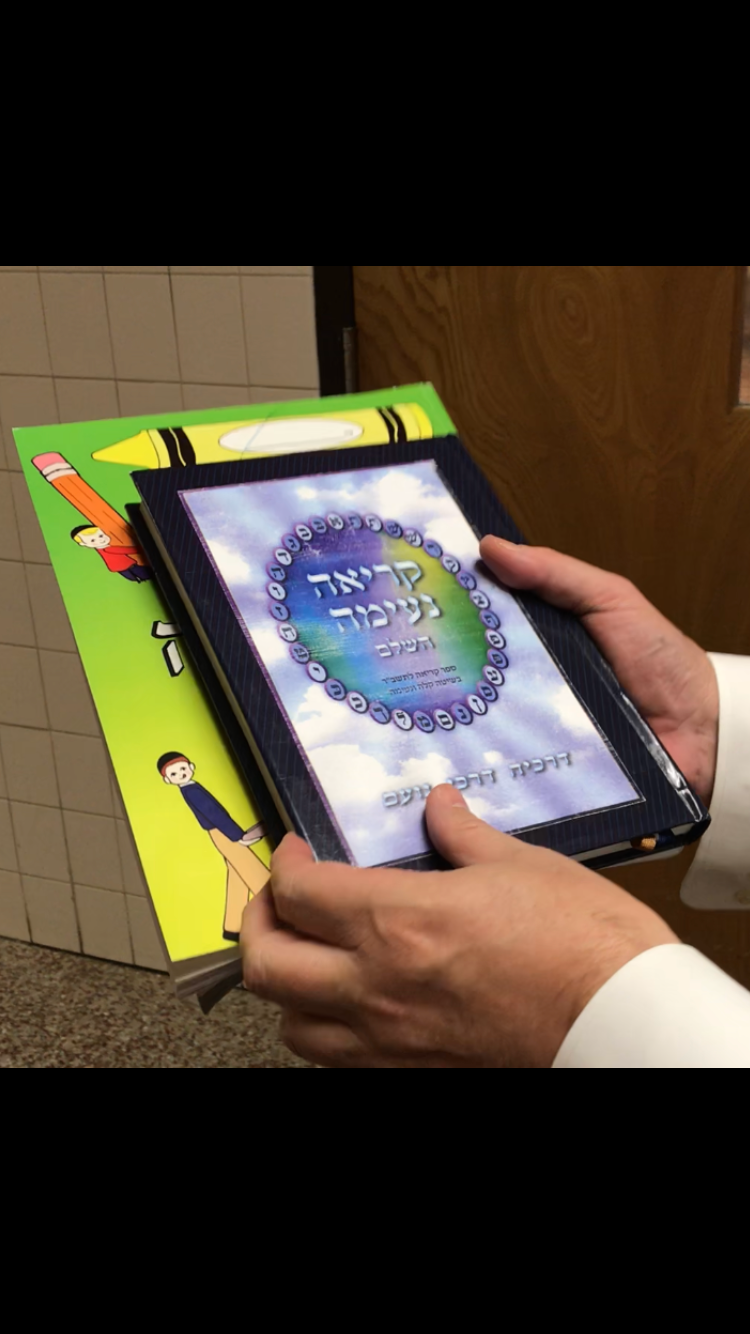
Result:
{"points": [[340, 606]]}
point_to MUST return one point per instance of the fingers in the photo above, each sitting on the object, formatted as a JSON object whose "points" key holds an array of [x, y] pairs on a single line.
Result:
{"points": [[330, 1044], [459, 836], [315, 899], [327, 901], [562, 580], [259, 915], [288, 970], [293, 852], [324, 1042]]}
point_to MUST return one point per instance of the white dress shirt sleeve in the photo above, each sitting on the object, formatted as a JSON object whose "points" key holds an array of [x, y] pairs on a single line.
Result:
{"points": [[719, 879], [671, 1008]]}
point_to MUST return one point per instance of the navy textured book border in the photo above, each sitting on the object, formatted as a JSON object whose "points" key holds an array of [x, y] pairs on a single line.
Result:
{"points": [[668, 800]]}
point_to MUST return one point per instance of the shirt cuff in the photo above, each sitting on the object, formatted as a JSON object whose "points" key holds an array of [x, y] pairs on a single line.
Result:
{"points": [[669, 1009], [719, 878]]}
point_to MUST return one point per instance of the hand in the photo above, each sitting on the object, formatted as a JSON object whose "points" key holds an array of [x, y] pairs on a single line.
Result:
{"points": [[666, 674], [489, 965]]}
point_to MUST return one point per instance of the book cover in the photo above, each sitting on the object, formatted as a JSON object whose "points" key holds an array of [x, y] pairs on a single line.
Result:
{"points": [[148, 695], [373, 657]]}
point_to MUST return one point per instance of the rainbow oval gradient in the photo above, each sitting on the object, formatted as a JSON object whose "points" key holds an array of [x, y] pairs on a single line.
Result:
{"points": [[387, 619]]}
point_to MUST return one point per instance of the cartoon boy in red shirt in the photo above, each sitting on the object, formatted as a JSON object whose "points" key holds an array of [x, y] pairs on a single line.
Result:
{"points": [[124, 560]]}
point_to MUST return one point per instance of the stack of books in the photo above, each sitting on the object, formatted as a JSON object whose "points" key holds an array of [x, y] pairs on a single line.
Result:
{"points": [[320, 577], [340, 611]]}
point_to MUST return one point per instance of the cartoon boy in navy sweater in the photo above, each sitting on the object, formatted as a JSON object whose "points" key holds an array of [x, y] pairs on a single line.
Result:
{"points": [[246, 874]]}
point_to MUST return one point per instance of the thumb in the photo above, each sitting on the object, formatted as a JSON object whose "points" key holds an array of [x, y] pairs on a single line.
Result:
{"points": [[561, 580], [459, 836]]}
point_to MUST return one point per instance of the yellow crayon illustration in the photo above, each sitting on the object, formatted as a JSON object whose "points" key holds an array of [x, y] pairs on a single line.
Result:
{"points": [[180, 447]]}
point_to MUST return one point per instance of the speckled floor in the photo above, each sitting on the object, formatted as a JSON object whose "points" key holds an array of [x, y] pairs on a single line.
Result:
{"points": [[62, 1012]]}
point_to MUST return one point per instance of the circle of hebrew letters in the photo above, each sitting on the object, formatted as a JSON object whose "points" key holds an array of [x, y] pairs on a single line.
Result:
{"points": [[421, 610]]}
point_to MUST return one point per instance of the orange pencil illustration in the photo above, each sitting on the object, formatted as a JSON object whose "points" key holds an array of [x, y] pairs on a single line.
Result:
{"points": [[105, 530]]}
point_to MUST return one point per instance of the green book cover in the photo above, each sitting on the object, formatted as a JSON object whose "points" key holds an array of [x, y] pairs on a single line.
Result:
{"points": [[150, 701]]}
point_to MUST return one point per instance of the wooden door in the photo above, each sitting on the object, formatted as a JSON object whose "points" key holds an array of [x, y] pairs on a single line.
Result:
{"points": [[602, 402]]}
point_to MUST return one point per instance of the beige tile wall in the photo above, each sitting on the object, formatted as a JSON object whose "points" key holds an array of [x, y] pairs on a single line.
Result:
{"points": [[80, 342]]}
